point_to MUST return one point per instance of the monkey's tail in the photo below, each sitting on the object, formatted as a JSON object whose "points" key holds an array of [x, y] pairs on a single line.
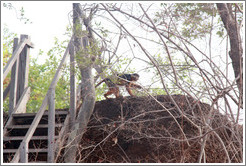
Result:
{"points": [[100, 83]]}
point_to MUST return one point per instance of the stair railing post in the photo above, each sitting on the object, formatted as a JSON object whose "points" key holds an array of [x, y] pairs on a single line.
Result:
{"points": [[51, 126], [24, 152], [13, 83], [23, 71]]}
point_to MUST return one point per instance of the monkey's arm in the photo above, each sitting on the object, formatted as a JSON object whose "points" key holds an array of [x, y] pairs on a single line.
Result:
{"points": [[128, 88], [135, 85], [132, 85]]}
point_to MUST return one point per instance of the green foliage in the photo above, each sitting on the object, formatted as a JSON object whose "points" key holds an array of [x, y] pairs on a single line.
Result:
{"points": [[183, 68], [193, 20], [78, 29], [157, 91], [87, 56], [41, 75], [8, 38], [104, 32]]}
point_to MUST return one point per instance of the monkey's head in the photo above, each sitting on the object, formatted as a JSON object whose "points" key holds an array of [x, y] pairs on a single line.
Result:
{"points": [[135, 77]]}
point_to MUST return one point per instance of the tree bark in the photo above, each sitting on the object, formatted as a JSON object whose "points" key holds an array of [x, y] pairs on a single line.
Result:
{"points": [[88, 89], [236, 50]]}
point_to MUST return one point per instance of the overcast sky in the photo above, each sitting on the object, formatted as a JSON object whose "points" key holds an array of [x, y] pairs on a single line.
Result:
{"points": [[49, 20]]}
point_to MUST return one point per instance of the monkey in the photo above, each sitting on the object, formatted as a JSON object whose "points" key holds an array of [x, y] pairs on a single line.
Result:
{"points": [[126, 80]]}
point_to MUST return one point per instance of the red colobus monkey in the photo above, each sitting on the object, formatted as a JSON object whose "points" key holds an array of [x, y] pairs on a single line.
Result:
{"points": [[126, 80]]}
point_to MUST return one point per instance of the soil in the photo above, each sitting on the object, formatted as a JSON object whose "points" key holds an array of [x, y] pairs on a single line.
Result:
{"points": [[156, 130]]}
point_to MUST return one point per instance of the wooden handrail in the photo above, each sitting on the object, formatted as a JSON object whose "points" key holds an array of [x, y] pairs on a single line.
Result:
{"points": [[23, 100], [14, 80], [40, 113], [51, 127], [6, 92], [13, 58]]}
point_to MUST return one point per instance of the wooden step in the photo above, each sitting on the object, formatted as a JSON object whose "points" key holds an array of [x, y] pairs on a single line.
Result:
{"points": [[12, 138], [28, 126], [33, 114], [37, 162], [29, 150], [27, 118], [15, 133]]}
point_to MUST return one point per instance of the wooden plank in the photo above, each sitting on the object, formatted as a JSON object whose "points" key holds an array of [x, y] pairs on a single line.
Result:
{"points": [[9, 122], [16, 157], [13, 58], [27, 60], [38, 162], [36, 120], [72, 107], [24, 152], [27, 126], [51, 128], [33, 114], [21, 138], [30, 44], [13, 83], [40, 113], [30, 150], [23, 70], [6, 92], [23, 100], [58, 71]]}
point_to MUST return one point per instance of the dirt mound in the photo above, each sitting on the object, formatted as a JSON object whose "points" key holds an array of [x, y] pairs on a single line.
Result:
{"points": [[145, 129]]}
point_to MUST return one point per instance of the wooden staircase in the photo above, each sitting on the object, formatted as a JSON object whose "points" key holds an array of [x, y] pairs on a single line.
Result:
{"points": [[34, 137], [38, 145]]}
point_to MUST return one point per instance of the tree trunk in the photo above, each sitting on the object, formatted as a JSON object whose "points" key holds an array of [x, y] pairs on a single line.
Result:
{"points": [[88, 89], [236, 50]]}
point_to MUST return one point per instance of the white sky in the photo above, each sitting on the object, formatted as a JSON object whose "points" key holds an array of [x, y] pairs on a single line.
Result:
{"points": [[49, 20]]}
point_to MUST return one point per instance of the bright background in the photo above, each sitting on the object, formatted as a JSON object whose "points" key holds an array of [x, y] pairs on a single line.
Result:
{"points": [[49, 20]]}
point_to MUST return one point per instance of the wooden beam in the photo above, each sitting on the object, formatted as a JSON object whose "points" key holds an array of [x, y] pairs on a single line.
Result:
{"points": [[27, 126], [16, 157], [24, 152], [24, 98], [36, 120], [30, 151], [23, 70], [27, 59], [40, 112], [51, 128], [11, 138], [14, 57], [13, 83], [21, 105], [33, 114], [58, 71], [30, 44], [6, 92]]}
